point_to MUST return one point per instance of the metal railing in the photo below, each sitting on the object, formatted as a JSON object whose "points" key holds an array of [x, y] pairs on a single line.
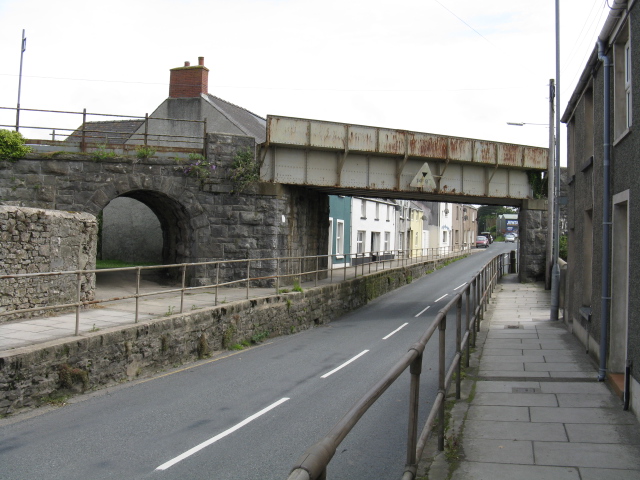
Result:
{"points": [[234, 273], [312, 465], [88, 136]]}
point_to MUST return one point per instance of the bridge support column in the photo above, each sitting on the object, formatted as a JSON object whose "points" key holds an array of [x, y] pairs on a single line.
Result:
{"points": [[533, 225]]}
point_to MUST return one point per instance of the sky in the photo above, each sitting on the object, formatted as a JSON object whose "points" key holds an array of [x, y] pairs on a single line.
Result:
{"points": [[452, 67]]}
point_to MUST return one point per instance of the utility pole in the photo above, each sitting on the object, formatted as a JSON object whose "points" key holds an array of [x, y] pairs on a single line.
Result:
{"points": [[550, 188], [555, 273], [23, 47]]}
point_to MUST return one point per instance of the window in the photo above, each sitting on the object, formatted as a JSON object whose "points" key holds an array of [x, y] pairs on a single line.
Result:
{"points": [[360, 241], [330, 236], [377, 211], [444, 236], [401, 241], [340, 237], [622, 83], [388, 213], [363, 209]]}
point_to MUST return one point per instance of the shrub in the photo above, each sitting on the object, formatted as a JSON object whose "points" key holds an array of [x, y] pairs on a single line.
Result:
{"points": [[245, 171], [563, 250], [144, 151], [198, 166], [12, 145]]}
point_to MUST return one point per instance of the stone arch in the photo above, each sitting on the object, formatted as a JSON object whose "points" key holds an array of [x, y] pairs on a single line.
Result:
{"points": [[175, 223], [177, 234]]}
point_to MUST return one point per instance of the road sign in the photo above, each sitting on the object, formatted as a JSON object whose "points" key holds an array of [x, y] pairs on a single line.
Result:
{"points": [[424, 178]]}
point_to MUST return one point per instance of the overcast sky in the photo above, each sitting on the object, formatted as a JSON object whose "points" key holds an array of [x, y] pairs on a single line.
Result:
{"points": [[453, 67]]}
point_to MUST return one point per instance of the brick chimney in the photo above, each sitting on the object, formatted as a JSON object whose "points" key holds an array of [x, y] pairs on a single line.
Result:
{"points": [[189, 81]]}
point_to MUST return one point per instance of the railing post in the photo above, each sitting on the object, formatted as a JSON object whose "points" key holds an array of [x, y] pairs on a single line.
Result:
{"points": [[488, 288], [204, 138], [414, 396], [483, 291], [344, 263], [184, 277], [474, 319], [330, 267], [146, 128], [317, 267], [78, 298], [84, 121], [217, 282], [441, 377], [248, 276], [137, 293], [277, 275], [355, 266], [479, 300], [458, 342], [467, 293]]}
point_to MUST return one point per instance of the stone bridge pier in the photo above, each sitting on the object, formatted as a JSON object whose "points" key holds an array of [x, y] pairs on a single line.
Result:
{"points": [[533, 225], [197, 219]]}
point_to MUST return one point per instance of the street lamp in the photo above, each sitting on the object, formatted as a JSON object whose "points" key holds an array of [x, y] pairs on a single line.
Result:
{"points": [[520, 124], [552, 172]]}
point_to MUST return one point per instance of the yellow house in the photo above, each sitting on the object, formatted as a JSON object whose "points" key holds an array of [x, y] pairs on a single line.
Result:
{"points": [[415, 231]]}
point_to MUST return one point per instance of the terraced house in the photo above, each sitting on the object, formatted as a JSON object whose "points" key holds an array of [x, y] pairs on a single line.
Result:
{"points": [[603, 210]]}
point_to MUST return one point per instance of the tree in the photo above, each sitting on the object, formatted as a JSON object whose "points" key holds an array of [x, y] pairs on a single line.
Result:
{"points": [[489, 212]]}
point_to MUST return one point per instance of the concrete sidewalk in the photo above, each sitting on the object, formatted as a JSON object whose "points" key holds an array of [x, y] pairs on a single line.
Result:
{"points": [[532, 407]]}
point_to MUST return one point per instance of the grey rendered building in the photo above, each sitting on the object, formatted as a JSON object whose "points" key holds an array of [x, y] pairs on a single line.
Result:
{"points": [[603, 214]]}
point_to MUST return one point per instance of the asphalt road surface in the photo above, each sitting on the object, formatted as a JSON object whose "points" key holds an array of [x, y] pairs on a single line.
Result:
{"points": [[250, 414]]}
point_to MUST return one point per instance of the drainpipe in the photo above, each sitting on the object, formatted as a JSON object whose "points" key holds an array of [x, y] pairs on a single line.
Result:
{"points": [[606, 222]]}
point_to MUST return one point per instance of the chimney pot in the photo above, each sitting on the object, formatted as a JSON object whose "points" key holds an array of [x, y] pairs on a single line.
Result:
{"points": [[187, 81]]}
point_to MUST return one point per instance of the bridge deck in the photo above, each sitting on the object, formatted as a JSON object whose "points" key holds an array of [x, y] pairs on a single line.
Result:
{"points": [[359, 160]]}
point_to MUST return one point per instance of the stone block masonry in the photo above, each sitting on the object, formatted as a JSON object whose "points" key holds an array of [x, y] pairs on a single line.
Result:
{"points": [[98, 359], [200, 219], [35, 240], [533, 223]]}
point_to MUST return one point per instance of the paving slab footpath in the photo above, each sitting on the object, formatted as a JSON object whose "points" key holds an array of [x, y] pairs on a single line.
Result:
{"points": [[159, 300], [531, 405]]}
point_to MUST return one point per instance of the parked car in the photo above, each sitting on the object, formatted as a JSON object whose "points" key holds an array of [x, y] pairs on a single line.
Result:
{"points": [[482, 241], [510, 237], [488, 235]]}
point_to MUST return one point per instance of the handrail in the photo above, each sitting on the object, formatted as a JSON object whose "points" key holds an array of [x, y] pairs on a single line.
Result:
{"points": [[312, 464], [286, 267], [86, 133]]}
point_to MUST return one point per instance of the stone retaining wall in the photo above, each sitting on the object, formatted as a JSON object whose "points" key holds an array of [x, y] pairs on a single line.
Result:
{"points": [[35, 240], [107, 357]]}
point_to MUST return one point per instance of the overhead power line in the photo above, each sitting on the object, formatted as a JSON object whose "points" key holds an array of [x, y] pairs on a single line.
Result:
{"points": [[311, 89]]}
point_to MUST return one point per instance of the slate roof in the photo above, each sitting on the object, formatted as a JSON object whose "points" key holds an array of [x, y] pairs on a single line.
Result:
{"points": [[110, 131], [250, 123]]}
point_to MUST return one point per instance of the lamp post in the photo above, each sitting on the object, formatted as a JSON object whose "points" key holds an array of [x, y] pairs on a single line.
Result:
{"points": [[551, 195], [555, 272], [23, 47]]}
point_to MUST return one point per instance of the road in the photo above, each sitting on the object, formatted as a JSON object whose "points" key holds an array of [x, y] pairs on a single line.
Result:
{"points": [[250, 414]]}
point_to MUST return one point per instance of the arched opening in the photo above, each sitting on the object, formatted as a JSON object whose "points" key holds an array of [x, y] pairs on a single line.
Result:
{"points": [[145, 227], [130, 232]]}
